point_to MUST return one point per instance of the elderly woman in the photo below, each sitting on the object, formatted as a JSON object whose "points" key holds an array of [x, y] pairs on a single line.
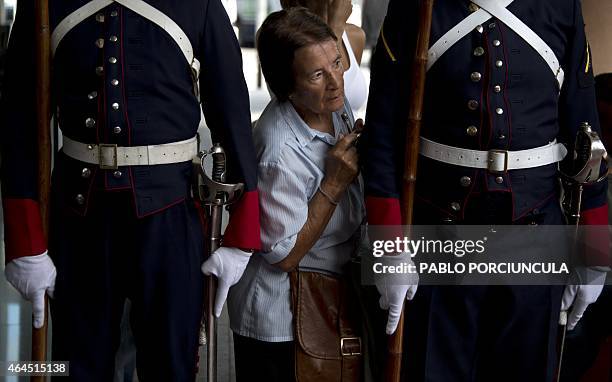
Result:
{"points": [[351, 42], [310, 194]]}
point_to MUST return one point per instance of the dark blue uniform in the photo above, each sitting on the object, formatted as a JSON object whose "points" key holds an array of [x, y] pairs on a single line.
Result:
{"points": [[132, 232], [491, 90]]}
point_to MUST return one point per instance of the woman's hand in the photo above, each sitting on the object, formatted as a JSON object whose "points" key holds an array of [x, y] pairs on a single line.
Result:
{"points": [[338, 12], [341, 166]]}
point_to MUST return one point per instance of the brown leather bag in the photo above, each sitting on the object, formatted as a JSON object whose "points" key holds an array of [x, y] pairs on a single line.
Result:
{"points": [[326, 327]]}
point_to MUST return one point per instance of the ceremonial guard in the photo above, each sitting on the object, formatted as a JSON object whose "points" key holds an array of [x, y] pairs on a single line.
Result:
{"points": [[508, 85], [127, 80]]}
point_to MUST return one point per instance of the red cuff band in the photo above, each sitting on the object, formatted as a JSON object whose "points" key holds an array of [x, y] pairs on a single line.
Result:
{"points": [[595, 216], [22, 228], [597, 239], [383, 211], [243, 229]]}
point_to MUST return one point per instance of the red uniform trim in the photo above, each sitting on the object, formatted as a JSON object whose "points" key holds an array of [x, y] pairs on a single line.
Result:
{"points": [[598, 239], [595, 216], [22, 228], [243, 230], [383, 211]]}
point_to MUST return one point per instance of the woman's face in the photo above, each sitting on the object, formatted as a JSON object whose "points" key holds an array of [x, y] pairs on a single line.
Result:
{"points": [[319, 85]]}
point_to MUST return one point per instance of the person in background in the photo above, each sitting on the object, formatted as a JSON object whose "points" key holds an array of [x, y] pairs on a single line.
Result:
{"points": [[351, 42]]}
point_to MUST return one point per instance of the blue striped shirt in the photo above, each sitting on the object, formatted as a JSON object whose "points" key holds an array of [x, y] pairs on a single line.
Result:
{"points": [[291, 166]]}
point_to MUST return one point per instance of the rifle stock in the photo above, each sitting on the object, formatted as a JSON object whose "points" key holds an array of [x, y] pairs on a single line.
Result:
{"points": [[43, 113], [411, 155]]}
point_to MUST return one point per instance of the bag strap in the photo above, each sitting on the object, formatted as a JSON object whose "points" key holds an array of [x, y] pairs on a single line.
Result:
{"points": [[350, 341]]}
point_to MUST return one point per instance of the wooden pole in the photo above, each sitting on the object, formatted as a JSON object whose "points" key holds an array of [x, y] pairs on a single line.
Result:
{"points": [[411, 155], [43, 114]]}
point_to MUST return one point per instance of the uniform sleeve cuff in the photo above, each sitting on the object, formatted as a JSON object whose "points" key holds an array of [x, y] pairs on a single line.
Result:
{"points": [[598, 240], [243, 230], [23, 228], [595, 216], [383, 211]]}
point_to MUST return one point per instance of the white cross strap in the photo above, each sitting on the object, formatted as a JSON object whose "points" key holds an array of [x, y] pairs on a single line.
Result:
{"points": [[143, 9], [536, 42], [74, 19], [495, 161], [498, 9], [458, 32]]}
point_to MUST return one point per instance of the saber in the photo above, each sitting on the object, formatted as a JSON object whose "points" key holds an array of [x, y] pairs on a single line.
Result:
{"points": [[213, 193], [588, 155]]}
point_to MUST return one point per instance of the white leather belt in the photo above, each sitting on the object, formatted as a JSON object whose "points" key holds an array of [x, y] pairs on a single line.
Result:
{"points": [[111, 156], [496, 161]]}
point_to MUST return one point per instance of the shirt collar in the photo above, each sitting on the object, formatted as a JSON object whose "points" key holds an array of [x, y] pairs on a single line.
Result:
{"points": [[302, 131]]}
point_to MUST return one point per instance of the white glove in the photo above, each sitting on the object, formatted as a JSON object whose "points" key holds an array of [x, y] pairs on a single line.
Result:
{"points": [[228, 264], [32, 276], [394, 289], [579, 297]]}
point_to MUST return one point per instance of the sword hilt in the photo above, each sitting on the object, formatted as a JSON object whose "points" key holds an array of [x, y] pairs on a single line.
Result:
{"points": [[219, 163]]}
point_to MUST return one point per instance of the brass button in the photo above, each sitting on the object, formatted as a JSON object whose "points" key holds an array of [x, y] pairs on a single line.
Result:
{"points": [[113, 38], [492, 26], [479, 51], [99, 70], [92, 95], [501, 135], [90, 147], [472, 131], [100, 17], [117, 129], [117, 174], [114, 82], [496, 43], [473, 104], [479, 29], [90, 122], [85, 173], [115, 106], [465, 181], [476, 77], [455, 206], [497, 89], [80, 199], [499, 180], [100, 43], [473, 7], [499, 63], [112, 60], [114, 14], [499, 111]]}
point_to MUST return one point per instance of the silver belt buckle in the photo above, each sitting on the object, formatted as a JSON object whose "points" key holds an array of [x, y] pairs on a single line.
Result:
{"points": [[493, 164], [107, 154]]}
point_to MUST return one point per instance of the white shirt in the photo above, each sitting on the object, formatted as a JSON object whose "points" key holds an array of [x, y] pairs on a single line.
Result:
{"points": [[291, 166]]}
